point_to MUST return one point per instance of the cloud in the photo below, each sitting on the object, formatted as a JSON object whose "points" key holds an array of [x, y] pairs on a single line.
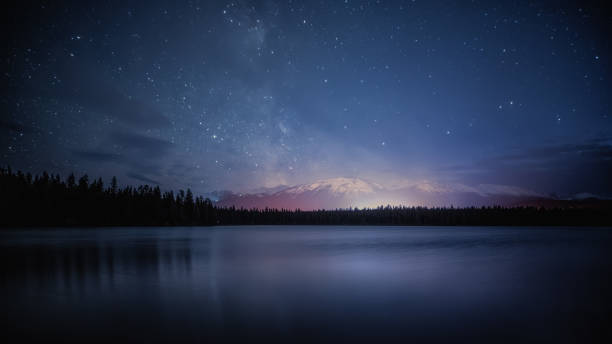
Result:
{"points": [[594, 149], [132, 148], [141, 156], [565, 168], [142, 178], [510, 190], [97, 156], [140, 145]]}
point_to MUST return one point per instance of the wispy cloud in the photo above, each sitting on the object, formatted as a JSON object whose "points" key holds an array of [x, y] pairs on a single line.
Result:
{"points": [[565, 167], [141, 156], [143, 178]]}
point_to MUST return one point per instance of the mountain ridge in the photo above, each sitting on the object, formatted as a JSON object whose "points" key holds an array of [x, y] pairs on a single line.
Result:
{"points": [[349, 192]]}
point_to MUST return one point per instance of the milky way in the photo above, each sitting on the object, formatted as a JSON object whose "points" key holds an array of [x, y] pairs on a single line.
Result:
{"points": [[249, 95]]}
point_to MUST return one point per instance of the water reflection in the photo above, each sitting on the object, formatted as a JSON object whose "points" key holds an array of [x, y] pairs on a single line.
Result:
{"points": [[80, 265], [306, 283]]}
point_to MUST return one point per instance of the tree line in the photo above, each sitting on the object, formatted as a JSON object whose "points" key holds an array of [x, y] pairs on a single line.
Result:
{"points": [[48, 200]]}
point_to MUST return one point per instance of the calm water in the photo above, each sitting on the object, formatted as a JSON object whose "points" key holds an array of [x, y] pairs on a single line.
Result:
{"points": [[309, 283]]}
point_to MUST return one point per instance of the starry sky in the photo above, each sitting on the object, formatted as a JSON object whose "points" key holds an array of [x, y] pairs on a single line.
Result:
{"points": [[248, 95]]}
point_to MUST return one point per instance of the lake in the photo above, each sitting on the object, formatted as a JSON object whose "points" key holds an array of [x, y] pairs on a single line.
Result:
{"points": [[306, 283]]}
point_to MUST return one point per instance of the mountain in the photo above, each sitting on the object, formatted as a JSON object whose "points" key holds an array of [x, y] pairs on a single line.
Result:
{"points": [[354, 192], [324, 194]]}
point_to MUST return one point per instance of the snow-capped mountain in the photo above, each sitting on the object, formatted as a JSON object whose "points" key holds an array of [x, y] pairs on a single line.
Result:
{"points": [[336, 186], [354, 192], [324, 194]]}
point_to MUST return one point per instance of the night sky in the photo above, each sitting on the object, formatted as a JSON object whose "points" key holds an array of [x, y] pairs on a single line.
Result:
{"points": [[249, 95]]}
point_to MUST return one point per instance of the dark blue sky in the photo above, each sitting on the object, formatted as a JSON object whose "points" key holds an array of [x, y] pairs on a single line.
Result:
{"points": [[244, 95]]}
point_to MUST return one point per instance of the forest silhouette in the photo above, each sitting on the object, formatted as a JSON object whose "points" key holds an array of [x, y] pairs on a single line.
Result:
{"points": [[49, 200]]}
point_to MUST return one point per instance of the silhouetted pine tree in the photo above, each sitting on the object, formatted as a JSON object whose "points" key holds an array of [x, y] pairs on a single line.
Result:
{"points": [[46, 200]]}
